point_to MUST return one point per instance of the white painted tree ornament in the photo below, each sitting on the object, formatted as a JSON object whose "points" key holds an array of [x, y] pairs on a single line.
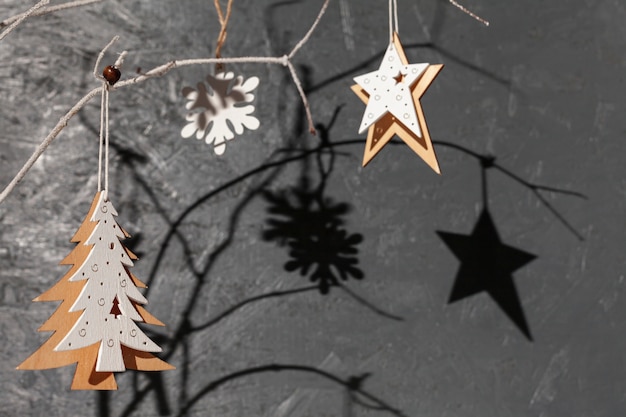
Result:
{"points": [[221, 110], [106, 300]]}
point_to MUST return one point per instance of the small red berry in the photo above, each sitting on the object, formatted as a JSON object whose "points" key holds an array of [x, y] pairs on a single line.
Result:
{"points": [[112, 74]]}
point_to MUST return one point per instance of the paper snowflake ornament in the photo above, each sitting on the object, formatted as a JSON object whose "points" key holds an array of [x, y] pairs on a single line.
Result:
{"points": [[96, 324], [392, 95], [221, 110]]}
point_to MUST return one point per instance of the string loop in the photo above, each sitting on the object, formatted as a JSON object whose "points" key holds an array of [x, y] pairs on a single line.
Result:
{"points": [[393, 18], [103, 151]]}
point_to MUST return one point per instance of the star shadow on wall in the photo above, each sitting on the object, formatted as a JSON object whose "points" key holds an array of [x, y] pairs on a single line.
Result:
{"points": [[487, 265]]}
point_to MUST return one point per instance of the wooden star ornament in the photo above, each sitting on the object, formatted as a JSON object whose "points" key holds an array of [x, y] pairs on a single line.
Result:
{"points": [[392, 96]]}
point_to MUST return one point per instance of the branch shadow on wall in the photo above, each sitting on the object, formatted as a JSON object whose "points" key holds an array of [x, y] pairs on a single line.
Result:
{"points": [[180, 340], [286, 225], [265, 174]]}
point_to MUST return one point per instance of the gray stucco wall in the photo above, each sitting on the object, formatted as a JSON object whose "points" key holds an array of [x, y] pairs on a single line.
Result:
{"points": [[534, 100]]}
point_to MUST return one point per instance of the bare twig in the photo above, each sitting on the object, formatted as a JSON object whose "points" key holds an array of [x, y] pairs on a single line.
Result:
{"points": [[469, 12], [160, 71], [310, 32], [48, 140], [46, 10], [96, 67], [120, 59], [307, 108], [15, 23]]}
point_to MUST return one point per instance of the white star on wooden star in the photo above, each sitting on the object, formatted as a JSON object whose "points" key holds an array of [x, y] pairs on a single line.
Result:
{"points": [[389, 89]]}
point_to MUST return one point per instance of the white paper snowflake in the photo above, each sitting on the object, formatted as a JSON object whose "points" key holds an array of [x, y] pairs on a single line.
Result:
{"points": [[217, 111]]}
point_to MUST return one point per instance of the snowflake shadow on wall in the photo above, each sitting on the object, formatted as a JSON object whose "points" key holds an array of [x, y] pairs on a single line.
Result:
{"points": [[221, 110], [312, 227]]}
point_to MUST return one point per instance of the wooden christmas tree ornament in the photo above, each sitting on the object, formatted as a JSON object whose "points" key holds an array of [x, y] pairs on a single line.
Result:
{"points": [[392, 95], [95, 325]]}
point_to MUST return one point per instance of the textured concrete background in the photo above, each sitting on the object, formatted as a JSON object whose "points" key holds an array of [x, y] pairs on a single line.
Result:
{"points": [[225, 241]]}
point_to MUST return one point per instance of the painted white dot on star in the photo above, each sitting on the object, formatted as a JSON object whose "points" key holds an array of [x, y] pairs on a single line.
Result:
{"points": [[384, 78], [390, 58], [370, 116], [376, 97], [414, 70], [366, 81], [398, 97], [406, 115]]}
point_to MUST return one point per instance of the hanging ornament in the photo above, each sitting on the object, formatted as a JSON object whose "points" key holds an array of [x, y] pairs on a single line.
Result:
{"points": [[219, 109], [392, 96], [96, 324], [222, 109]]}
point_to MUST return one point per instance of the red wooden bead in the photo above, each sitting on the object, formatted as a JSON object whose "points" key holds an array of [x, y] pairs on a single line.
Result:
{"points": [[112, 74]]}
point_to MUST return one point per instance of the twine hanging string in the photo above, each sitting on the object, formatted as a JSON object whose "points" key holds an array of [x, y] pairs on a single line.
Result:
{"points": [[221, 38], [104, 141], [101, 144], [105, 94], [103, 147], [393, 19]]}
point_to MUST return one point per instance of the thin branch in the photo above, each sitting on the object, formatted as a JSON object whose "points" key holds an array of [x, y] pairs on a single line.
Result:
{"points": [[96, 67], [48, 10], [48, 140], [119, 62], [23, 17], [310, 32], [469, 12], [159, 72], [305, 102]]}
